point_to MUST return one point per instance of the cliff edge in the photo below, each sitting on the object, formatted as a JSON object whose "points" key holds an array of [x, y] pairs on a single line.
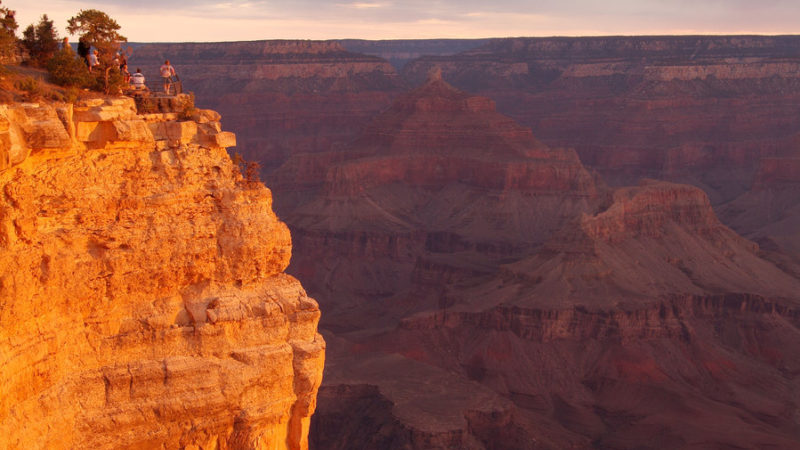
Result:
{"points": [[143, 299]]}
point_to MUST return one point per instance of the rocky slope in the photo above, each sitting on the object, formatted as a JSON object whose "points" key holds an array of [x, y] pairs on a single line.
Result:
{"points": [[440, 171], [280, 97], [696, 109], [144, 300], [769, 212], [647, 324], [475, 280]]}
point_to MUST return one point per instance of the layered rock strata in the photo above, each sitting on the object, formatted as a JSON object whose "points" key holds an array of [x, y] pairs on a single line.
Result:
{"points": [[440, 172], [458, 254], [643, 325], [144, 300], [697, 109]]}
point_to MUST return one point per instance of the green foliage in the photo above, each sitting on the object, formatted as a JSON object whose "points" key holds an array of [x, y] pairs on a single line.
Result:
{"points": [[66, 69], [41, 41], [110, 81], [30, 87], [8, 29], [71, 94], [98, 29]]}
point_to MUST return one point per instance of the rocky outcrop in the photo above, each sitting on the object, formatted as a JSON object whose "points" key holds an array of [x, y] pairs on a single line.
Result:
{"points": [[546, 296], [671, 107], [144, 300], [439, 172], [280, 97], [769, 212], [621, 322]]}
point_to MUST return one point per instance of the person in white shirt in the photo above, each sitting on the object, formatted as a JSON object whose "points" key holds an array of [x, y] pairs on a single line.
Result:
{"points": [[137, 80], [92, 60], [167, 72]]}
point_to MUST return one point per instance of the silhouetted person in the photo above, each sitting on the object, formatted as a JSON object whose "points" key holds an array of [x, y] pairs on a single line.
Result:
{"points": [[83, 50]]}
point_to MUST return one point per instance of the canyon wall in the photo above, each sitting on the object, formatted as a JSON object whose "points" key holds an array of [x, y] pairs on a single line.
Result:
{"points": [[485, 288], [697, 109], [143, 298], [399, 52]]}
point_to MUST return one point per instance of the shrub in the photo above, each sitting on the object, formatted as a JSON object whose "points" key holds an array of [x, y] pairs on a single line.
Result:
{"points": [[250, 170], [66, 69], [30, 87]]}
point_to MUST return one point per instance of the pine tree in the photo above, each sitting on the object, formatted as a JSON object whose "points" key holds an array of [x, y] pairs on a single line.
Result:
{"points": [[41, 41], [8, 29]]}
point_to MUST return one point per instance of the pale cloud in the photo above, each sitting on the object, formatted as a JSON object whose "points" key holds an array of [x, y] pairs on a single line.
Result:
{"points": [[363, 5], [435, 22]]}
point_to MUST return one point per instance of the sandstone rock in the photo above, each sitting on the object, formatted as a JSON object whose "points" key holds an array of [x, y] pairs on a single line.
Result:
{"points": [[144, 300]]}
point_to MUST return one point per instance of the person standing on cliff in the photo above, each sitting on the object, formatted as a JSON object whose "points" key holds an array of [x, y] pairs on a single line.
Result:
{"points": [[167, 72]]}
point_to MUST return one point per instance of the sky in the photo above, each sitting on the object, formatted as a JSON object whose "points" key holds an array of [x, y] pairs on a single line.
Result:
{"points": [[237, 20]]}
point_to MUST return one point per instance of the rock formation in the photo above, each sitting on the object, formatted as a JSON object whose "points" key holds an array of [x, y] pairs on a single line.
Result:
{"points": [[143, 299], [483, 289], [769, 212], [475, 280], [399, 52], [440, 171], [697, 109]]}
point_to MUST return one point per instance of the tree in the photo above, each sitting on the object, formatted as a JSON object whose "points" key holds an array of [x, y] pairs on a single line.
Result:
{"points": [[97, 29], [8, 29], [41, 41]]}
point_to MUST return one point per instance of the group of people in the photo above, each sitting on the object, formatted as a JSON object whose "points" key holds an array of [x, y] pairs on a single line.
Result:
{"points": [[136, 80], [166, 70]]}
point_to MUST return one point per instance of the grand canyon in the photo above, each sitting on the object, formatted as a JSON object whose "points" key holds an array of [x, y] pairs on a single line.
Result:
{"points": [[517, 243], [534, 242]]}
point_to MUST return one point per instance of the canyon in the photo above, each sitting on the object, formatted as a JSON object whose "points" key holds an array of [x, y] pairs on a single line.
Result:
{"points": [[536, 242], [144, 299], [522, 243]]}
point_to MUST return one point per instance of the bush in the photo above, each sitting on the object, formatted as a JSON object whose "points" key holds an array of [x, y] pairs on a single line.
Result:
{"points": [[30, 87], [250, 170], [66, 69]]}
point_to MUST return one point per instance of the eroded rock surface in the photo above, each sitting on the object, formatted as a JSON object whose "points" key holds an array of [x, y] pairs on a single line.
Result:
{"points": [[692, 109], [480, 284], [144, 302]]}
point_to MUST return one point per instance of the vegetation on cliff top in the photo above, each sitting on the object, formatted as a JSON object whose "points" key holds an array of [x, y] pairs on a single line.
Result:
{"points": [[98, 37]]}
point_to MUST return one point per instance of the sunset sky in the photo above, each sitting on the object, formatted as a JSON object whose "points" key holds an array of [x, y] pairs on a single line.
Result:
{"points": [[231, 20]]}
